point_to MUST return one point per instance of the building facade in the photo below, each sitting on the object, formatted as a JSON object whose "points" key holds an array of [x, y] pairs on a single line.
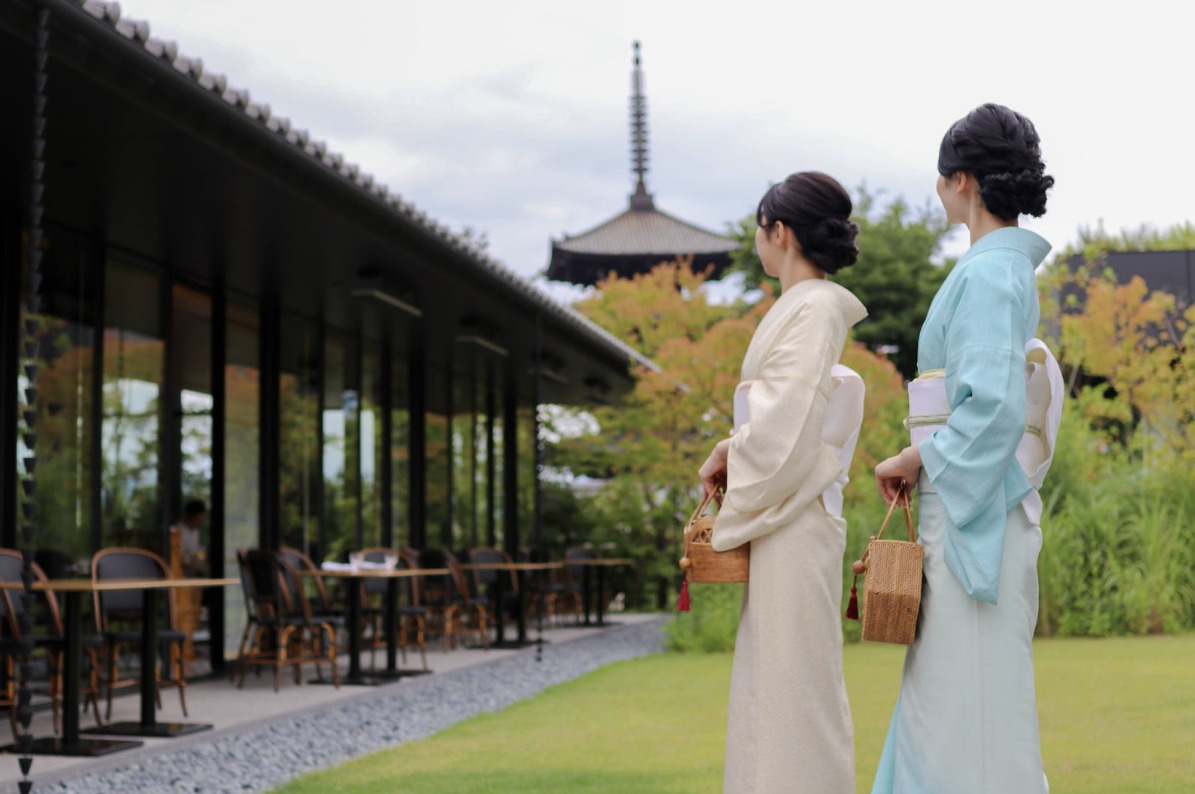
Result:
{"points": [[200, 301]]}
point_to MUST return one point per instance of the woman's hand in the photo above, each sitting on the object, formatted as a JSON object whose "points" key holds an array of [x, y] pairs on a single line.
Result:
{"points": [[903, 468], [713, 471]]}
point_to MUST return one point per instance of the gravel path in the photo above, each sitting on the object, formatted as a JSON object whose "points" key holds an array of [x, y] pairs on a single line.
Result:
{"points": [[260, 759]]}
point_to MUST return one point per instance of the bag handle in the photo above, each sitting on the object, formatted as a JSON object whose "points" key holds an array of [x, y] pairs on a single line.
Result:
{"points": [[900, 491], [701, 508], [852, 609]]}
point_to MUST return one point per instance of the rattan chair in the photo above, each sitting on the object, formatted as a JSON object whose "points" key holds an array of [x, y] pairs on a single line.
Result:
{"points": [[284, 631], [453, 610], [50, 636], [118, 616]]}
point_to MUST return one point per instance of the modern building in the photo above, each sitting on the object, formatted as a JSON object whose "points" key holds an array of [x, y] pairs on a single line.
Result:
{"points": [[201, 301], [641, 236]]}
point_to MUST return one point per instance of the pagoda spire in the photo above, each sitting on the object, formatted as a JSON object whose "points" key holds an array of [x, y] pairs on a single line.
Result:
{"points": [[640, 199]]}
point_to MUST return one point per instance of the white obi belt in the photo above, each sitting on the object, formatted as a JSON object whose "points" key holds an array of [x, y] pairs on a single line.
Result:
{"points": [[840, 428], [1044, 392]]}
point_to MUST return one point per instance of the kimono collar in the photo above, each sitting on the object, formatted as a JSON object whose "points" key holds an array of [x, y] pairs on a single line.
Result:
{"points": [[1031, 244], [852, 309]]}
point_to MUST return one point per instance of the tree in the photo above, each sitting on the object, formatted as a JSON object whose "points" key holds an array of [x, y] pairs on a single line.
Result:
{"points": [[649, 448], [894, 276]]}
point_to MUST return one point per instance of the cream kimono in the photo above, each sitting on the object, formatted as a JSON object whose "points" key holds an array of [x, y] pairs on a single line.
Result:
{"points": [[789, 728]]}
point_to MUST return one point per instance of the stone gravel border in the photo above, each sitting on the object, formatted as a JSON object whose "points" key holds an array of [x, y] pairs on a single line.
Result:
{"points": [[262, 758]]}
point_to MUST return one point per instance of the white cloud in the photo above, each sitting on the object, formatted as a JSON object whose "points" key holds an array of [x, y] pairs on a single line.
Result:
{"points": [[511, 117]]}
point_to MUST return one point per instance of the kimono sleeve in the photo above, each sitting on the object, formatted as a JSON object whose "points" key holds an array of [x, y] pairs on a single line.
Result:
{"points": [[778, 464], [971, 461]]}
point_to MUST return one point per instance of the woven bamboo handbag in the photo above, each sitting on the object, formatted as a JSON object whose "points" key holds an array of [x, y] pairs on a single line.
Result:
{"points": [[701, 563], [892, 591]]}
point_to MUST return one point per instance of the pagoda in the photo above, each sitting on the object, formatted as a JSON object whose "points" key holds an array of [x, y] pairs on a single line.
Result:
{"points": [[641, 236]]}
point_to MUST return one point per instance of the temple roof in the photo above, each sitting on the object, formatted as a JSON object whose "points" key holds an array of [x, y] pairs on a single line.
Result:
{"points": [[633, 241], [640, 237]]}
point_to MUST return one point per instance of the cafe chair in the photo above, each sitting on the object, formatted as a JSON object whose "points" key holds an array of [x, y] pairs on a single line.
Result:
{"points": [[283, 630], [485, 582], [411, 614], [453, 611], [322, 608], [50, 636], [572, 580], [118, 616]]}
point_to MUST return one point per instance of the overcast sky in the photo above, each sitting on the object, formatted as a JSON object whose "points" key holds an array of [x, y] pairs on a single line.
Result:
{"points": [[511, 117]]}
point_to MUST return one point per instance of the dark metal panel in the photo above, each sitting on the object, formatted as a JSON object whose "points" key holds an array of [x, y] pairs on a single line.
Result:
{"points": [[10, 343]]}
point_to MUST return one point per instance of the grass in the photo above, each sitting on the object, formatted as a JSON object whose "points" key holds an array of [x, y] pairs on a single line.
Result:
{"points": [[1117, 717]]}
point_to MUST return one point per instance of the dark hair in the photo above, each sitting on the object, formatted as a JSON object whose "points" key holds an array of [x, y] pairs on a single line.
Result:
{"points": [[818, 210], [195, 507], [1001, 149]]}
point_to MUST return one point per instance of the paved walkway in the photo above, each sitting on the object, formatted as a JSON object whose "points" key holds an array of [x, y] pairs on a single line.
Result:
{"points": [[261, 738]]}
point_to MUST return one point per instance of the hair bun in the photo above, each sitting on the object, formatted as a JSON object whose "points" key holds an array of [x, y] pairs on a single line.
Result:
{"points": [[1011, 194], [832, 243]]}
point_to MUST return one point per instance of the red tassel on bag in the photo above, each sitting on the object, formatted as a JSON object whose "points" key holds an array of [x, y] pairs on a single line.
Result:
{"points": [[682, 603], [852, 607]]}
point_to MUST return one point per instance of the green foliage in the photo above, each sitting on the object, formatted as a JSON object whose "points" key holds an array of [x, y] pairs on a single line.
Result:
{"points": [[1095, 242], [711, 624], [894, 276]]}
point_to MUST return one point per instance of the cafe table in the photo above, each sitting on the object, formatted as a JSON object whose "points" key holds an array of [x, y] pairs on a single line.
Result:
{"points": [[601, 564], [354, 576], [74, 590], [518, 568]]}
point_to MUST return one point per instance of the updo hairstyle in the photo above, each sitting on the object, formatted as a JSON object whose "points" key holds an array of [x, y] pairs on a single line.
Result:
{"points": [[1000, 148], [818, 211]]}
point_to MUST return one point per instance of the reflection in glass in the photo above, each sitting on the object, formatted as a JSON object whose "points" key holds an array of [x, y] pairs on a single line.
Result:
{"points": [[134, 362], [299, 434], [371, 447], [341, 429], [191, 368], [400, 452], [242, 389], [64, 382]]}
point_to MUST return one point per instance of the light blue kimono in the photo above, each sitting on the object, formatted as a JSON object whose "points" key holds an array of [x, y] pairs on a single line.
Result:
{"points": [[976, 330], [966, 718]]}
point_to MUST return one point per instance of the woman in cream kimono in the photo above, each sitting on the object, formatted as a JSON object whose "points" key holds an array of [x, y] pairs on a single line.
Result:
{"points": [[789, 728], [966, 718]]}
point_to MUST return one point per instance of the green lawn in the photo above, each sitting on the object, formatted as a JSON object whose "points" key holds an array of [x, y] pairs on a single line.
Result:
{"points": [[1117, 717]]}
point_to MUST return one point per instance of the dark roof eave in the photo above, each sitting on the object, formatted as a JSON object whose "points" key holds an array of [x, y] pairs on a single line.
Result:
{"points": [[329, 169]]}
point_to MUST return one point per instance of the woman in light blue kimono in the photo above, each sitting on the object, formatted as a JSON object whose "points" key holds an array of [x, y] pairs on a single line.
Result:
{"points": [[966, 718]]}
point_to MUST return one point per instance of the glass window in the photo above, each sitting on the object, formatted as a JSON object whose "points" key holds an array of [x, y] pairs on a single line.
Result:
{"points": [[191, 373], [134, 366], [341, 427], [242, 450], [298, 476], [371, 448], [65, 382], [400, 451], [438, 461]]}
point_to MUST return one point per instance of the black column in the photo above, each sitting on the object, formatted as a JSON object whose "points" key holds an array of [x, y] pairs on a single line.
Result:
{"points": [[510, 459], [268, 421], [417, 440], [10, 342], [217, 547]]}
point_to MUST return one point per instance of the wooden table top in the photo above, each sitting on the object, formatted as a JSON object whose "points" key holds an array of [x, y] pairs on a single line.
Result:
{"points": [[512, 566], [601, 561], [377, 573], [88, 586]]}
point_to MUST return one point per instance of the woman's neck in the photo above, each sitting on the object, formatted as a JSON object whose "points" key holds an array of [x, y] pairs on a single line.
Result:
{"points": [[981, 222], [796, 269]]}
